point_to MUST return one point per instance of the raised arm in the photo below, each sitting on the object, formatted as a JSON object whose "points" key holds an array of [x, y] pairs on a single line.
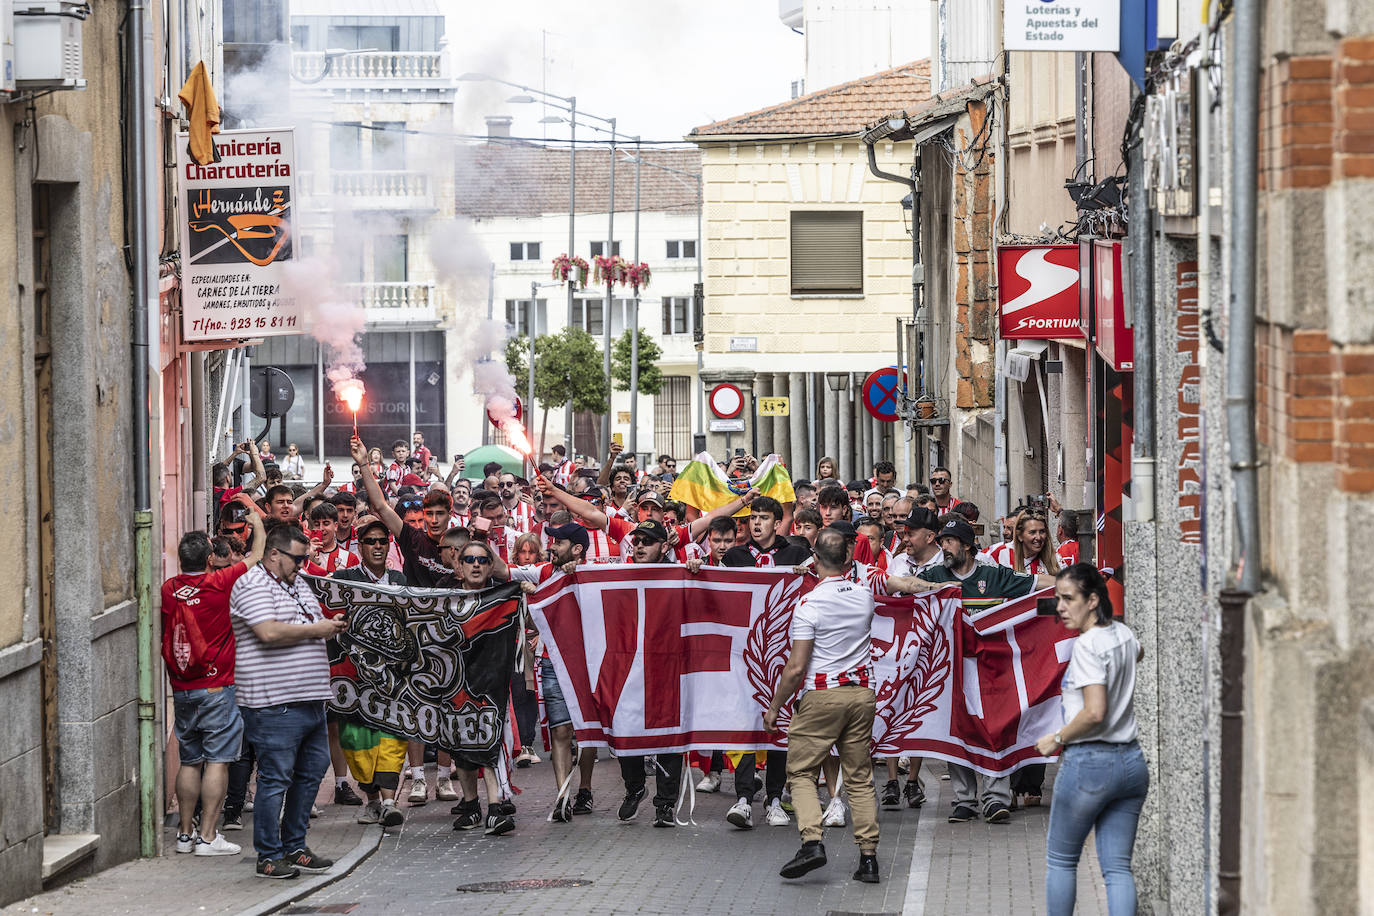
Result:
{"points": [[698, 526], [317, 490], [604, 478], [577, 506], [259, 475], [375, 499], [259, 539], [457, 469]]}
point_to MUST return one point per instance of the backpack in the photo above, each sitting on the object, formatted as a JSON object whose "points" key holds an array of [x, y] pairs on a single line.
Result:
{"points": [[184, 648]]}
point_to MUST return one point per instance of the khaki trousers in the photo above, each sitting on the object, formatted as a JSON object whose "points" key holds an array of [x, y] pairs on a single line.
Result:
{"points": [[841, 717]]}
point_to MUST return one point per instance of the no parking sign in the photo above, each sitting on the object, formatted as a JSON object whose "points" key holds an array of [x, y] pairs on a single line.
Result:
{"points": [[881, 391]]}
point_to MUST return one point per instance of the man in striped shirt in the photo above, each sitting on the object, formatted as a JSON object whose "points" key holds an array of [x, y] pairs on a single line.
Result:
{"points": [[283, 683]]}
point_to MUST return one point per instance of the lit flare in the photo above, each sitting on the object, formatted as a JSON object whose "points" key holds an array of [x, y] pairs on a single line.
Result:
{"points": [[350, 391]]}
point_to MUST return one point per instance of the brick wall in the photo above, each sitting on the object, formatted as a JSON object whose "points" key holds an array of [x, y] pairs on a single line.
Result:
{"points": [[975, 317], [1353, 134]]}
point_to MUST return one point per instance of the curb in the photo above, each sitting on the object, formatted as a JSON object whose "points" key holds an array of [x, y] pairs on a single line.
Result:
{"points": [[372, 838]]}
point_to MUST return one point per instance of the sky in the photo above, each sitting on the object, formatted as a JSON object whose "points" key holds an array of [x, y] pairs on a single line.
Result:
{"points": [[660, 67]]}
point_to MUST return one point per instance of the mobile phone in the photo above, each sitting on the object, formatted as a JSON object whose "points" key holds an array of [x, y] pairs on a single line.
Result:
{"points": [[1047, 607], [481, 524], [739, 453], [458, 457]]}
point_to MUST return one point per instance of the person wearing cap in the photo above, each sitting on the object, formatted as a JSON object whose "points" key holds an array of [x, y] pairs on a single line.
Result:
{"points": [[978, 581], [375, 758], [567, 548]]}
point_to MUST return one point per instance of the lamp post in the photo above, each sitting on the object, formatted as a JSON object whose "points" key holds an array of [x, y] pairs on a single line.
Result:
{"points": [[532, 330]]}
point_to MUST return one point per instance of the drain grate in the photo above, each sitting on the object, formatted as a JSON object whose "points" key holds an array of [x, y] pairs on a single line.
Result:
{"points": [[524, 884]]}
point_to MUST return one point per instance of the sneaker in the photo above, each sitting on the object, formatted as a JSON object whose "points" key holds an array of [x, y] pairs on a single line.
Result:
{"points": [[469, 816], [834, 813], [443, 789], [419, 793], [525, 758], [344, 795], [248, 805], [391, 816], [741, 815], [497, 823], [562, 811], [314, 811], [582, 804], [504, 806], [187, 842], [892, 794], [776, 816], [709, 783], [810, 857], [219, 846], [996, 813], [868, 869], [232, 822], [962, 814], [630, 806], [305, 860], [277, 868], [915, 793], [371, 813], [903, 766], [663, 816]]}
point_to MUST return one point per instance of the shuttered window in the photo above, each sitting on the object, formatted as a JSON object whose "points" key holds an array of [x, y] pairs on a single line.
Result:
{"points": [[827, 252]]}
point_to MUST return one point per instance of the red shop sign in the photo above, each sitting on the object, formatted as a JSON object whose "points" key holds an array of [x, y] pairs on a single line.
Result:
{"points": [[1115, 338], [1037, 293]]}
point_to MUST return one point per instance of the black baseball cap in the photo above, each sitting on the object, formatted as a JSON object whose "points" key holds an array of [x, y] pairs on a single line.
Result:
{"points": [[650, 529], [569, 532], [957, 528], [922, 517]]}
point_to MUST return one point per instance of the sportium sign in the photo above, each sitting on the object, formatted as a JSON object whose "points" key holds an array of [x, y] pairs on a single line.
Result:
{"points": [[1052, 25], [1037, 292], [236, 235]]}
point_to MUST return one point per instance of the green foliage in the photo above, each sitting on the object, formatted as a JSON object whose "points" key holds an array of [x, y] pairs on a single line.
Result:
{"points": [[650, 377], [567, 368]]}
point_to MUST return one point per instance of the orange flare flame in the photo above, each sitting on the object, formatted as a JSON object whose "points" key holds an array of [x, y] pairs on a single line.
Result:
{"points": [[350, 391]]}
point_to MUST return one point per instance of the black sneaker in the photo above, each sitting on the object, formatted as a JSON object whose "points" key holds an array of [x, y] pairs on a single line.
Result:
{"points": [[962, 814], [344, 795], [663, 816], [868, 869], [892, 794], [915, 793], [277, 868], [996, 813], [811, 857], [583, 803], [305, 860], [469, 815], [505, 806], [498, 824], [630, 806], [232, 822], [562, 811]]}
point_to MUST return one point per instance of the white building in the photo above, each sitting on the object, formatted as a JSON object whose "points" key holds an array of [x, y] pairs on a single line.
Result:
{"points": [[849, 39], [514, 198]]}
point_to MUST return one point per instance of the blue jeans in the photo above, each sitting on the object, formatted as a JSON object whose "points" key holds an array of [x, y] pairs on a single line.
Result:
{"points": [[1100, 786], [292, 745]]}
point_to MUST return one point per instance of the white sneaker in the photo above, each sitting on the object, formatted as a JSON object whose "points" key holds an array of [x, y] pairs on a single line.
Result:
{"points": [[778, 817], [314, 810], [443, 788], [188, 842], [219, 846], [741, 815], [419, 792], [709, 783], [371, 813], [834, 813]]}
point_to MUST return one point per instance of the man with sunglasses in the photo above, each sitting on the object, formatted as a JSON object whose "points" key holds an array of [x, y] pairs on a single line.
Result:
{"points": [[283, 684], [519, 514], [940, 482], [667, 468]]}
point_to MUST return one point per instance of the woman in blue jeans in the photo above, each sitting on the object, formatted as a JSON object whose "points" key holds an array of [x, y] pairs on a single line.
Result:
{"points": [[1102, 778]]}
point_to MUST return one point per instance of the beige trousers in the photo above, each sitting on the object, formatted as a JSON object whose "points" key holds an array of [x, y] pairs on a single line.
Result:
{"points": [[841, 717]]}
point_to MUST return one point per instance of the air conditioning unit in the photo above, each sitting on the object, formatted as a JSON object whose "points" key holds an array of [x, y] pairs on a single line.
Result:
{"points": [[47, 42]]}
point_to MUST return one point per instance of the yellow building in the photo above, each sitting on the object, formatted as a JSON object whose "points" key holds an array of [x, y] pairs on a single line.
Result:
{"points": [[808, 267]]}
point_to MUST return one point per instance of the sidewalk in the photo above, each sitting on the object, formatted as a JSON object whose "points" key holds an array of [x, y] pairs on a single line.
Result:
{"points": [[175, 885]]}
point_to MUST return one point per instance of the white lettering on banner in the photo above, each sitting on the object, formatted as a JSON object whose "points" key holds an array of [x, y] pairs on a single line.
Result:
{"points": [[447, 728]]}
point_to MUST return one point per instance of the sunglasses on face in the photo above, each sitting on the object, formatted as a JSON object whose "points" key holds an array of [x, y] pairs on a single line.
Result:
{"points": [[233, 529], [296, 558], [477, 559], [408, 505], [507, 486], [935, 480], [372, 542]]}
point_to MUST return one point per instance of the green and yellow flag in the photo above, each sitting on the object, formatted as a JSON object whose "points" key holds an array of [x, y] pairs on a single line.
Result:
{"points": [[704, 485]]}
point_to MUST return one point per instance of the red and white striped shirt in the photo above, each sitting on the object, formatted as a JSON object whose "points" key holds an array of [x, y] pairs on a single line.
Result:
{"points": [[521, 517], [999, 554], [563, 474], [1068, 553], [338, 558]]}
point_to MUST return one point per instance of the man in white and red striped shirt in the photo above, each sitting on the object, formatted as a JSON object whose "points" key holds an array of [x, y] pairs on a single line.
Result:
{"points": [[327, 554], [564, 469], [519, 514]]}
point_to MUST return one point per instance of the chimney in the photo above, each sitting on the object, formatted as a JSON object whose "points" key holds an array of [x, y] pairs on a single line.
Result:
{"points": [[498, 126]]}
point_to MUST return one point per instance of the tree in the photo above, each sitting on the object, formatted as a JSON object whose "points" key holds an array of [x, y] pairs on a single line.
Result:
{"points": [[567, 370], [650, 377]]}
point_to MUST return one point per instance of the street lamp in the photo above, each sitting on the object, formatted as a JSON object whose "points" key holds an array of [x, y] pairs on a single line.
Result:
{"points": [[837, 381]]}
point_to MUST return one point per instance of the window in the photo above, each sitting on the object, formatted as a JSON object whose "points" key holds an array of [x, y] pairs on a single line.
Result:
{"points": [[682, 248], [673, 417], [388, 145], [589, 316], [364, 37], [524, 251], [675, 310], [599, 249], [389, 258], [345, 147], [519, 318], [827, 252]]}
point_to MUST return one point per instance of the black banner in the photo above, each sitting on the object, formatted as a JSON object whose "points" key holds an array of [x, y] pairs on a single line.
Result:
{"points": [[431, 665]]}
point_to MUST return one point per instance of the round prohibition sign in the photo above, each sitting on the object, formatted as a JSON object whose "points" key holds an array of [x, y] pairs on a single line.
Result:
{"points": [[726, 401], [880, 392]]}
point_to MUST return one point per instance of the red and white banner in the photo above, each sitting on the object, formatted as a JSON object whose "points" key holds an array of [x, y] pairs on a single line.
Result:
{"points": [[654, 659]]}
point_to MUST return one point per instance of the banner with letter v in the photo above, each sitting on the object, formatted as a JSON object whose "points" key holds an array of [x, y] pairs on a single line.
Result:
{"points": [[655, 659]]}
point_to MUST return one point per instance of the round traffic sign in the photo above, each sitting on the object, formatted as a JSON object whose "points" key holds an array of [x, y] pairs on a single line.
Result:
{"points": [[881, 390], [271, 392], [726, 401], [519, 413]]}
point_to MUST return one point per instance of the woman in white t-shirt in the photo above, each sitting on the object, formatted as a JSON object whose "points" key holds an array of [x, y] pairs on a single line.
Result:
{"points": [[1102, 779], [293, 466]]}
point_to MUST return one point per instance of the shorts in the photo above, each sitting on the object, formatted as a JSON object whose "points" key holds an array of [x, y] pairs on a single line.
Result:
{"points": [[555, 707], [375, 758], [208, 725]]}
